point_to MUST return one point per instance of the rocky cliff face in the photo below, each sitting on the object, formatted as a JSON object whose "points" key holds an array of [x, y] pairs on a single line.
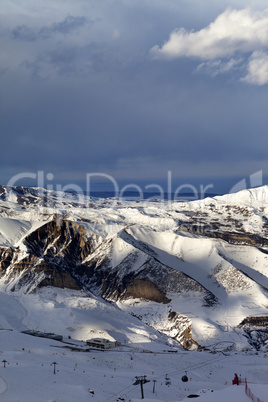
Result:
{"points": [[57, 254], [179, 327], [239, 238], [256, 331], [6, 255], [151, 280], [49, 255]]}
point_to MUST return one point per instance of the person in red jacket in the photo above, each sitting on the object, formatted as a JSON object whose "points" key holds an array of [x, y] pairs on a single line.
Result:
{"points": [[235, 380]]}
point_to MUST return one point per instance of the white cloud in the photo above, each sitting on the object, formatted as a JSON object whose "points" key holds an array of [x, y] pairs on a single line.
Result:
{"points": [[232, 33], [257, 69], [215, 67]]}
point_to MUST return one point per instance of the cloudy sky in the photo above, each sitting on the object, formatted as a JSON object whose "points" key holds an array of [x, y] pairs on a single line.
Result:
{"points": [[134, 89]]}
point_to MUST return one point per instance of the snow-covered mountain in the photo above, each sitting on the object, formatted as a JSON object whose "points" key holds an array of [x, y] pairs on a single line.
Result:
{"points": [[193, 272]]}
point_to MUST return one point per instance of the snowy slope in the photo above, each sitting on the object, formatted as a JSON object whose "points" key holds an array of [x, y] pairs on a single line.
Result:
{"points": [[151, 275], [205, 260], [110, 375], [28, 375]]}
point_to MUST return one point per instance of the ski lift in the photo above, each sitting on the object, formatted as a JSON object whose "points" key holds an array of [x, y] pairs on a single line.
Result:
{"points": [[184, 378]]}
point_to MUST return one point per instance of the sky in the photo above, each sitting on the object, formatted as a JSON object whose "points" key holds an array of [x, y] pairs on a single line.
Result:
{"points": [[133, 92]]}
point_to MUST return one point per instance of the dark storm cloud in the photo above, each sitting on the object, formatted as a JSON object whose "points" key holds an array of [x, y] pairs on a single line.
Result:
{"points": [[23, 32], [86, 97], [65, 27], [70, 60]]}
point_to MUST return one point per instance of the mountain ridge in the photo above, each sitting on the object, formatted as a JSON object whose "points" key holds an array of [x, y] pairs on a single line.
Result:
{"points": [[201, 259]]}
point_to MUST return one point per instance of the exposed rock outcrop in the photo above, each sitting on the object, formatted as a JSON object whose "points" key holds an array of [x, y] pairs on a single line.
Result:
{"points": [[56, 250], [6, 255], [216, 232], [178, 326], [143, 289], [256, 331]]}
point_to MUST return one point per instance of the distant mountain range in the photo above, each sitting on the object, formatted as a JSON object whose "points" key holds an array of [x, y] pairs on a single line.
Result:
{"points": [[196, 272]]}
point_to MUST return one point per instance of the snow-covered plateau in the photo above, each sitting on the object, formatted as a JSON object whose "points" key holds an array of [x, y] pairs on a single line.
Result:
{"points": [[180, 286]]}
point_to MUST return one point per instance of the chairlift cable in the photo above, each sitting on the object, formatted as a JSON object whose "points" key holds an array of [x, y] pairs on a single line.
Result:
{"points": [[190, 368], [119, 392]]}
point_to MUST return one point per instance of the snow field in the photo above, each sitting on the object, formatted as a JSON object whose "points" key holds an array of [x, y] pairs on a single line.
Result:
{"points": [[111, 374], [28, 376], [233, 273]]}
